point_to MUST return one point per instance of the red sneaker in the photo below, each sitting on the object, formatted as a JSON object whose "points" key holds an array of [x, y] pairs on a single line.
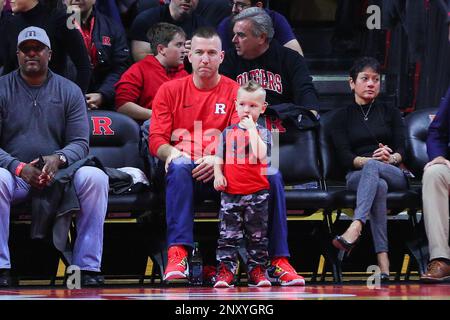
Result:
{"points": [[209, 272], [177, 263], [224, 277], [281, 271], [257, 278]]}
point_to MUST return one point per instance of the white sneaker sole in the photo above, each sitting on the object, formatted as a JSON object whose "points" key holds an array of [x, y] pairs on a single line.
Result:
{"points": [[175, 275], [265, 283], [222, 284], [435, 280], [296, 282]]}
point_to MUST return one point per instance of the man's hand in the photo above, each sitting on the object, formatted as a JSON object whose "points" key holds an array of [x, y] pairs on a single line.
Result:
{"points": [[174, 153], [52, 164], [247, 123], [220, 183], [205, 170], [382, 154], [437, 160], [31, 175], [94, 100]]}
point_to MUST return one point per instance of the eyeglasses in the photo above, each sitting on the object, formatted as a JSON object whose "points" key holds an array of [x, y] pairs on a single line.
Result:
{"points": [[239, 5], [34, 48]]}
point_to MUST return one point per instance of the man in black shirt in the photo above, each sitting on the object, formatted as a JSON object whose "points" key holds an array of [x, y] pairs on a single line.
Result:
{"points": [[178, 12], [213, 11], [281, 71]]}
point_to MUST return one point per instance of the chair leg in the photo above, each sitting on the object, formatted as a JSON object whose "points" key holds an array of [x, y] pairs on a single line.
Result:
{"points": [[419, 245], [159, 259], [329, 251]]}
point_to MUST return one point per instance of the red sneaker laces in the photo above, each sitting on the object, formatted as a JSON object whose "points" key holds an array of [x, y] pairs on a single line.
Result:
{"points": [[175, 255], [285, 265], [222, 272], [257, 272]]}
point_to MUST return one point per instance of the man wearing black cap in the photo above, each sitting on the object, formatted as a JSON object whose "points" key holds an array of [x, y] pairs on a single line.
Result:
{"points": [[42, 113]]}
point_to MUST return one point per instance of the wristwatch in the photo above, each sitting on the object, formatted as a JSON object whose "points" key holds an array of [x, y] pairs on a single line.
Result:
{"points": [[62, 159]]}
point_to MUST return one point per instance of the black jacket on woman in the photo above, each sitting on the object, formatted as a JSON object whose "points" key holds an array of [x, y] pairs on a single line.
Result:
{"points": [[64, 41]]}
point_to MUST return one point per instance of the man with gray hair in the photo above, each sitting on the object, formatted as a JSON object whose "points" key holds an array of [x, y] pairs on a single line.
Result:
{"points": [[283, 30], [281, 71]]}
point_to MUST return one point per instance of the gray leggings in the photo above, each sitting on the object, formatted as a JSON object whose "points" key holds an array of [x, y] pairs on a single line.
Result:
{"points": [[371, 184]]}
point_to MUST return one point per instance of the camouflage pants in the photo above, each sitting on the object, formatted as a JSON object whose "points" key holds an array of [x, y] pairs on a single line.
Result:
{"points": [[243, 215]]}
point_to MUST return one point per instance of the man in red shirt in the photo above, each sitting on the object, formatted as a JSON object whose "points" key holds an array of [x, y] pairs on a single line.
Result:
{"points": [[188, 117]]}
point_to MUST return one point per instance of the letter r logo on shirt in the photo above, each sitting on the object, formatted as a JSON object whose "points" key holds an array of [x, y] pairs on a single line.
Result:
{"points": [[220, 108]]}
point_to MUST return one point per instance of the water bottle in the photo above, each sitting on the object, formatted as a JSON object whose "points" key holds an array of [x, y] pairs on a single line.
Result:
{"points": [[196, 267]]}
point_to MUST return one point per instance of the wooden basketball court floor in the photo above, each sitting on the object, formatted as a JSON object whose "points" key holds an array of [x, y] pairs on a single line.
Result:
{"points": [[356, 291]]}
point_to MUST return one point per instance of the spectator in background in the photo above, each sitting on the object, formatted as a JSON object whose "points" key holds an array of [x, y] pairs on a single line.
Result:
{"points": [[65, 41], [4, 14], [142, 5], [5, 5], [110, 9], [178, 12], [213, 11], [282, 30], [2, 5], [138, 85], [369, 138], [436, 187], [42, 113], [281, 71], [448, 18], [106, 45]]}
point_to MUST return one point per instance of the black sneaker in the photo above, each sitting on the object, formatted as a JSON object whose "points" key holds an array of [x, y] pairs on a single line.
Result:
{"points": [[384, 278], [91, 279], [5, 278]]}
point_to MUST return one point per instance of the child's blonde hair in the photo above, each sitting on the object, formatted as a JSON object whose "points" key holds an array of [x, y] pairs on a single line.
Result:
{"points": [[253, 86]]}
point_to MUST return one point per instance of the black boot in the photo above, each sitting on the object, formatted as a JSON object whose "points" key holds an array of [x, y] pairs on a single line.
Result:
{"points": [[91, 279]]}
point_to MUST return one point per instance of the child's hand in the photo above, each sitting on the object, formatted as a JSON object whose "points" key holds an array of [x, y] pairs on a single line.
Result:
{"points": [[248, 123], [220, 183]]}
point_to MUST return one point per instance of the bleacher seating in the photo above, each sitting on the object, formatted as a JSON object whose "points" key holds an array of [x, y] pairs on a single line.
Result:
{"points": [[416, 135], [417, 124], [115, 140], [305, 156]]}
